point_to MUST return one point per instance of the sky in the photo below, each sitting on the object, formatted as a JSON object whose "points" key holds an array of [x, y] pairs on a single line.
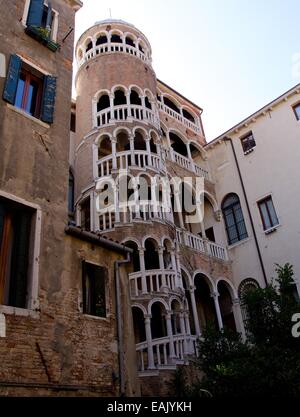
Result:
{"points": [[230, 57]]}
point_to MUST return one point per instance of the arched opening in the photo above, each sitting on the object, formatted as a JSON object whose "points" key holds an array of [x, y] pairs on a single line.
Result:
{"points": [[102, 39], [116, 38], [85, 211], [246, 286], [104, 148], [139, 142], [129, 41], [188, 208], [126, 197], [176, 310], [158, 321], [145, 189], [103, 103], [196, 154], [138, 325], [209, 220], [135, 257], [89, 46], [119, 98], [141, 48], [225, 302], [151, 254], [186, 286], [204, 302], [188, 115], [170, 104], [234, 219], [80, 54], [177, 144], [147, 103], [167, 254], [135, 98]]}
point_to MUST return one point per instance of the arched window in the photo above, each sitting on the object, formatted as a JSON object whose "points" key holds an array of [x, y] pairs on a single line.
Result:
{"points": [[234, 219], [103, 103], [129, 41], [101, 40], [116, 39], [89, 46]]}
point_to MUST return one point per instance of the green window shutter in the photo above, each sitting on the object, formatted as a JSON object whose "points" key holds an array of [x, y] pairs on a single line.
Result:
{"points": [[35, 13], [48, 101], [11, 84]]}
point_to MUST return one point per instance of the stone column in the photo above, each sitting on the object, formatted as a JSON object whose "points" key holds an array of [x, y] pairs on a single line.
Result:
{"points": [[114, 152], [170, 336], [162, 267], [128, 105], [148, 149], [183, 332], [215, 296], [95, 162], [238, 318], [117, 205], [131, 141], [143, 271], [179, 208], [111, 105], [195, 312], [147, 320]]}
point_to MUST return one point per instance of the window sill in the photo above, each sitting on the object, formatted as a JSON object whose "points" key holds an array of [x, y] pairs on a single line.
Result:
{"points": [[240, 242], [271, 230], [249, 151], [37, 34], [16, 311], [28, 116], [98, 318]]}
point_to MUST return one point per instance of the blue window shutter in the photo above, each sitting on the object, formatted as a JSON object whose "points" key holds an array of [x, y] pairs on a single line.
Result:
{"points": [[48, 101], [35, 13], [11, 84]]}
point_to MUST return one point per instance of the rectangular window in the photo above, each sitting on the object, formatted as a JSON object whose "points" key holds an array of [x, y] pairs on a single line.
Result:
{"points": [[248, 142], [30, 90], [73, 122], [268, 213], [93, 285], [40, 14], [297, 111], [15, 241]]}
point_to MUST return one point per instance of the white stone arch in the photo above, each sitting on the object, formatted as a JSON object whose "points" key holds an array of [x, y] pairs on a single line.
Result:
{"points": [[141, 130], [87, 41], [191, 280], [130, 35], [199, 148], [179, 134], [149, 237], [157, 300], [143, 44], [141, 307], [173, 99], [155, 134], [232, 290], [116, 32], [212, 200], [176, 298], [80, 53], [149, 94], [208, 279], [166, 237], [99, 34], [99, 138], [101, 93], [132, 239], [121, 129], [137, 89], [189, 110], [119, 87]]}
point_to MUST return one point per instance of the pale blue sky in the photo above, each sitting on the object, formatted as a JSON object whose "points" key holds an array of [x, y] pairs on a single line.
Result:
{"points": [[230, 57]]}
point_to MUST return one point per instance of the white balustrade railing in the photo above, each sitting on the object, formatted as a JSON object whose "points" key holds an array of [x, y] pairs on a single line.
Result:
{"points": [[142, 159], [152, 281], [187, 123], [126, 112], [107, 48], [186, 163], [201, 245]]}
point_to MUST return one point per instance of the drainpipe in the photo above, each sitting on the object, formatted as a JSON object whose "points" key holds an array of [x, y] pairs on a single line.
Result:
{"points": [[120, 329], [227, 139]]}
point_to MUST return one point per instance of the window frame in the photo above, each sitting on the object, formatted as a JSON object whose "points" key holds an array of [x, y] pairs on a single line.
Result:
{"points": [[84, 263], [29, 76], [245, 137], [295, 106], [259, 204], [54, 26], [32, 300], [236, 222]]}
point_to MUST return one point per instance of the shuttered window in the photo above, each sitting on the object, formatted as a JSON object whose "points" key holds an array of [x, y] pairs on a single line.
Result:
{"points": [[15, 233], [93, 286], [29, 90], [268, 213], [234, 219]]}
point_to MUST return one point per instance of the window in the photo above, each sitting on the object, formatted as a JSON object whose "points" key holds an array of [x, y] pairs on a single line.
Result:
{"points": [[268, 213], [85, 209], [15, 240], [248, 142], [93, 282], [39, 14], [29, 90], [73, 122], [297, 111], [234, 219]]}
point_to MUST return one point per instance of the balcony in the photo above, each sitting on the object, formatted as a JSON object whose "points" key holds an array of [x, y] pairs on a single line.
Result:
{"points": [[180, 118], [186, 163], [126, 113], [201, 245], [152, 282], [112, 47]]}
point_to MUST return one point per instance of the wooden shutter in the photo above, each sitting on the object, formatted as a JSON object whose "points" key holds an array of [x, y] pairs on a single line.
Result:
{"points": [[35, 13], [19, 261], [49, 16], [11, 84], [84, 307], [48, 101]]}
